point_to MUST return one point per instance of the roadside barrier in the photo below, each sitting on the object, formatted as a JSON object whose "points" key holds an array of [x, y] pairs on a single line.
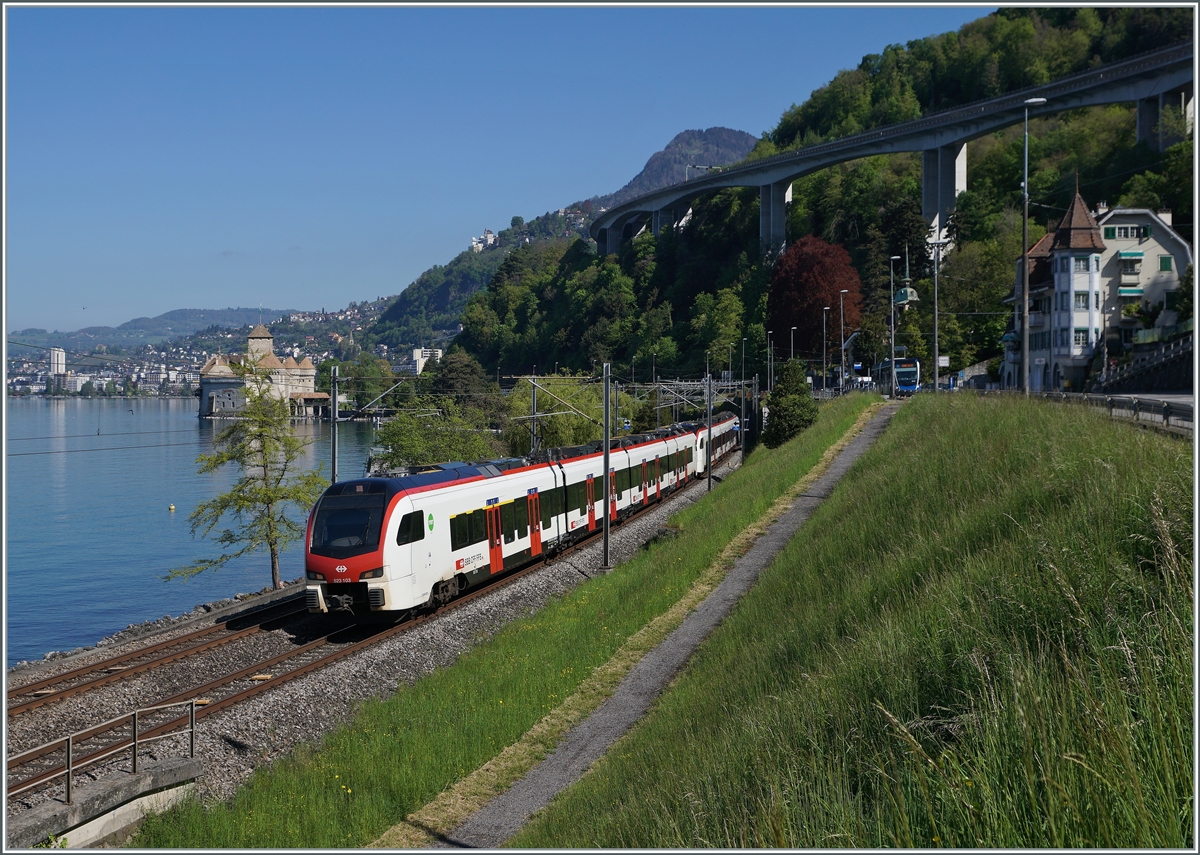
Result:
{"points": [[70, 741]]}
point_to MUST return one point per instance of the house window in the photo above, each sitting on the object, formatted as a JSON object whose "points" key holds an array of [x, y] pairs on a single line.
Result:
{"points": [[1081, 300], [1097, 293], [1096, 266], [1081, 265], [1065, 265], [1129, 231], [1164, 264], [1129, 266], [1081, 337]]}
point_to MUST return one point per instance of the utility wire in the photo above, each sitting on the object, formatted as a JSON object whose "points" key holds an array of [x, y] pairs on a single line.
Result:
{"points": [[113, 448]]}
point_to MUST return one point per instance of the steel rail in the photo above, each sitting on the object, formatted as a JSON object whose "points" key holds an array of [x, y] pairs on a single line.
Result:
{"points": [[383, 633], [127, 671]]}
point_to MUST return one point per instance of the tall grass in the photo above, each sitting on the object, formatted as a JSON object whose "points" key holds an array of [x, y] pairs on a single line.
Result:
{"points": [[983, 638], [399, 753]]}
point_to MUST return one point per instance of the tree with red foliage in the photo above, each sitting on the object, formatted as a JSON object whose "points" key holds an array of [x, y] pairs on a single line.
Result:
{"points": [[810, 275]]}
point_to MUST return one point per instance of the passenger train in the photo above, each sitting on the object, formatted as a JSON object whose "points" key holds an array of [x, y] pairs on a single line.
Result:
{"points": [[417, 537]]}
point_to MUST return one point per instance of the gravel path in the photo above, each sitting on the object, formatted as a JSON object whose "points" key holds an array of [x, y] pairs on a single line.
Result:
{"points": [[235, 742], [497, 821]]}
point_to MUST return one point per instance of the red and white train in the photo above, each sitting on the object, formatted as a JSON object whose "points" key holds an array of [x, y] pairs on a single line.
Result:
{"points": [[420, 536]]}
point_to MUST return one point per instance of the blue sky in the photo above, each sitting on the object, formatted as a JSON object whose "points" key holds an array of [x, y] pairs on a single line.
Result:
{"points": [[305, 157]]}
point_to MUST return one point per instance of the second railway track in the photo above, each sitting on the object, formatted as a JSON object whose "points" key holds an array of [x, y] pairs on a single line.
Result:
{"points": [[301, 646]]}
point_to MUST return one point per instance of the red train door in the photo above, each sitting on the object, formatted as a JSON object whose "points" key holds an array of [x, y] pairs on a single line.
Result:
{"points": [[657, 480], [535, 522], [591, 503], [612, 494], [495, 533], [645, 486]]}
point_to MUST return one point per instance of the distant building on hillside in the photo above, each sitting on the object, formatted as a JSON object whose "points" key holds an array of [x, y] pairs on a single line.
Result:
{"points": [[296, 382], [478, 244]]}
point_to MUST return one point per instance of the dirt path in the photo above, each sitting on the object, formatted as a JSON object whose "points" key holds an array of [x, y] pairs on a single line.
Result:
{"points": [[501, 817]]}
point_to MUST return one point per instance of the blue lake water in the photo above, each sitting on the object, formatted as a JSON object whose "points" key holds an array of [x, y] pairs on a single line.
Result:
{"points": [[88, 531]]}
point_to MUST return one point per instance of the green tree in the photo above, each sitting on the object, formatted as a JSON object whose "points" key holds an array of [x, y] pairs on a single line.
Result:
{"points": [[433, 430], [260, 443], [790, 407]]}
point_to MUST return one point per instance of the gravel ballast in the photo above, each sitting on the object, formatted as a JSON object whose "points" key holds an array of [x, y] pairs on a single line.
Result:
{"points": [[236, 741]]}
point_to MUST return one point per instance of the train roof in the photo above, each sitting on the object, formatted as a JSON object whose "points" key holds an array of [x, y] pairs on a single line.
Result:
{"points": [[400, 478]]}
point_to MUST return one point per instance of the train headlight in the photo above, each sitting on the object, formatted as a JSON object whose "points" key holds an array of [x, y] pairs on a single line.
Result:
{"points": [[316, 577], [372, 574]]}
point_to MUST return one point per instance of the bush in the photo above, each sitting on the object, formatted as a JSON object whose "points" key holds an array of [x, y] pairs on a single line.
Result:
{"points": [[791, 407]]}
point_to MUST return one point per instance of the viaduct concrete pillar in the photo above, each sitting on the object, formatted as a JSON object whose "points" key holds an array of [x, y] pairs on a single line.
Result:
{"points": [[772, 215], [943, 177], [663, 218], [1149, 117]]}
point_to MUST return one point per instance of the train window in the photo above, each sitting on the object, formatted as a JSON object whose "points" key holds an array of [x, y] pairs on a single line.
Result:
{"points": [[460, 531], [508, 522], [577, 498], [548, 507], [622, 482], [412, 528], [348, 524], [522, 509], [478, 527]]}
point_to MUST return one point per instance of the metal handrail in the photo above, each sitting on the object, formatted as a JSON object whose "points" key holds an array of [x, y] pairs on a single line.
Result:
{"points": [[69, 742]]}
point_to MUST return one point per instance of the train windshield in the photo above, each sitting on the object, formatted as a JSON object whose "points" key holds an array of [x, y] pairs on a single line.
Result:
{"points": [[348, 524], [906, 376]]}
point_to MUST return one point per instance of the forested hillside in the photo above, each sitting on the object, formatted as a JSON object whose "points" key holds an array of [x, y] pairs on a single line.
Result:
{"points": [[428, 311], [701, 289]]}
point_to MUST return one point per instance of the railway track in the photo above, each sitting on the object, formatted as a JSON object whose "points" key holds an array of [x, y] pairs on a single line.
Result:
{"points": [[22, 699], [41, 767]]}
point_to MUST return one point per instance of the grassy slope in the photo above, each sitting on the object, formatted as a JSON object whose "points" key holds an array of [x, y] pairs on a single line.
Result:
{"points": [[400, 753], [984, 638]]}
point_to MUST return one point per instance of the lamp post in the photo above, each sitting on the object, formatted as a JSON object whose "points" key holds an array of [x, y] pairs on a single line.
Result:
{"points": [[792, 355], [770, 361], [892, 318], [824, 352], [937, 245], [1029, 102], [842, 342], [743, 398]]}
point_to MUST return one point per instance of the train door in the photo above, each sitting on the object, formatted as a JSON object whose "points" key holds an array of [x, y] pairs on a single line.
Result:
{"points": [[535, 522], [591, 503], [495, 534], [657, 480], [645, 486], [612, 494]]}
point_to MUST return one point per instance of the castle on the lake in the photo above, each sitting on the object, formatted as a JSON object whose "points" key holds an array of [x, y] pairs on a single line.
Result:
{"points": [[221, 381]]}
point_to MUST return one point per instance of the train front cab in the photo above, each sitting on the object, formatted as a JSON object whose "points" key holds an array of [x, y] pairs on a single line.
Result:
{"points": [[362, 550]]}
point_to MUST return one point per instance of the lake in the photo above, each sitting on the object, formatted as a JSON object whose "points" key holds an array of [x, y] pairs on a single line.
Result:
{"points": [[88, 529]]}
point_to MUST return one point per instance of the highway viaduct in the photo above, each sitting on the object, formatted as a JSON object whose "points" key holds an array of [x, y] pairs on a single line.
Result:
{"points": [[1152, 79]]}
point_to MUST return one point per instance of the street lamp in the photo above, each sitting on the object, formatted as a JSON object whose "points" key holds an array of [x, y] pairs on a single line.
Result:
{"points": [[892, 318], [770, 362], [842, 309], [1107, 319], [743, 397], [1029, 102], [824, 351], [937, 244], [793, 343]]}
